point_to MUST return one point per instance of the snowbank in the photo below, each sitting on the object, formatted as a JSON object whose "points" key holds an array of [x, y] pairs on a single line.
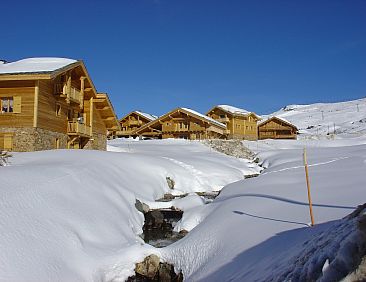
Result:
{"points": [[251, 230]]}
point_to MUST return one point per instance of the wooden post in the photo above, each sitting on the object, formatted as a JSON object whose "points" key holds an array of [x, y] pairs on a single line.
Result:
{"points": [[68, 88], [82, 87], [308, 186], [35, 108]]}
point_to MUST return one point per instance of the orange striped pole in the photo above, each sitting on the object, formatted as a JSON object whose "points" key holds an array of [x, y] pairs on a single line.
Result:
{"points": [[308, 186]]}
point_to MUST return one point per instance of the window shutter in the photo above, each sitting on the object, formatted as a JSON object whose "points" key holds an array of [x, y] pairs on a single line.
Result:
{"points": [[8, 142], [17, 108]]}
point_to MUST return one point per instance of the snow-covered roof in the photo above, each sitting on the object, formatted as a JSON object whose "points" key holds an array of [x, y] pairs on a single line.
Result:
{"points": [[205, 117], [279, 118], [146, 115], [35, 65], [233, 110]]}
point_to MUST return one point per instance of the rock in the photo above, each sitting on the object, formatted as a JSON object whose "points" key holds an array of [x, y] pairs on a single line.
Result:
{"points": [[183, 232], [141, 207], [154, 219], [232, 147], [149, 267], [171, 182]]}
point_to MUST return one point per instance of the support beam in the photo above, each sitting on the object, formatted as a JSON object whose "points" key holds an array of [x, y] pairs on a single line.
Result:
{"points": [[82, 86], [68, 88], [35, 108]]}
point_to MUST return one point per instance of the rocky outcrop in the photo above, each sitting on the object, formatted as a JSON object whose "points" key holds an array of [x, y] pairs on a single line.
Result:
{"points": [[171, 182], [234, 148], [142, 207], [152, 270]]}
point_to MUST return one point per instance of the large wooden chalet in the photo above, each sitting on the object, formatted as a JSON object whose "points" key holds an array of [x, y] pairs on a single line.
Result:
{"points": [[133, 121], [50, 103], [183, 123], [276, 128], [241, 124]]}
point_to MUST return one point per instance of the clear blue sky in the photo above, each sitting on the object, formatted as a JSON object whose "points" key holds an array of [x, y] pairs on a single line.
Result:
{"points": [[155, 55]]}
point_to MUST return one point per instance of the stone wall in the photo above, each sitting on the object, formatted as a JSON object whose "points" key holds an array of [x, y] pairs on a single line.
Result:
{"points": [[28, 139], [99, 142]]}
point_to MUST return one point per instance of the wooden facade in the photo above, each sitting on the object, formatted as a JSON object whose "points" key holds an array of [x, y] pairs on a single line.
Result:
{"points": [[53, 109], [276, 128], [183, 123], [132, 122], [240, 124]]}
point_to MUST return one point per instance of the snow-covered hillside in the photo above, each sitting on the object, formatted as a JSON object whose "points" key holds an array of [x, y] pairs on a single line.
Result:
{"points": [[344, 118]]}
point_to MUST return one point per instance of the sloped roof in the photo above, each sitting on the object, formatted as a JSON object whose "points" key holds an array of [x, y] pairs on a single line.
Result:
{"points": [[106, 110], [278, 118], [233, 110], [35, 65], [203, 116], [147, 116], [187, 111]]}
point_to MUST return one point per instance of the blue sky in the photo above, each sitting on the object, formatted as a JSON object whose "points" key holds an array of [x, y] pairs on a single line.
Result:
{"points": [[155, 55]]}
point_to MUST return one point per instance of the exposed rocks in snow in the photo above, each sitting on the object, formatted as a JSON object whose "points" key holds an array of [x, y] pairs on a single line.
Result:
{"points": [[159, 225], [151, 269], [234, 148], [171, 182], [4, 156], [141, 207]]}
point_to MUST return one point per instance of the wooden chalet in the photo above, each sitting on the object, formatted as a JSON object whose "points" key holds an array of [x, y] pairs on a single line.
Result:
{"points": [[133, 121], [51, 103], [276, 128], [183, 123], [241, 124]]}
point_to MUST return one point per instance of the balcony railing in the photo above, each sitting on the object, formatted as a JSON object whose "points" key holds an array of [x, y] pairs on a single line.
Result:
{"points": [[134, 122], [77, 128], [225, 119], [61, 89]]}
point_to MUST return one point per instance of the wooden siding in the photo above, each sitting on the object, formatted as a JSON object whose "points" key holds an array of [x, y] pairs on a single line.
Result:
{"points": [[130, 123], [24, 91], [238, 126], [276, 129], [181, 124], [97, 124]]}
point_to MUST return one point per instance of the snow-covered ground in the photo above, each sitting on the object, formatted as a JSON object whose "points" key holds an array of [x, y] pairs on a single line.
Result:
{"points": [[245, 234], [69, 215]]}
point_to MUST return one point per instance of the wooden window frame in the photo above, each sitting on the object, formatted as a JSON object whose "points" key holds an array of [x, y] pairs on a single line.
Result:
{"points": [[10, 104]]}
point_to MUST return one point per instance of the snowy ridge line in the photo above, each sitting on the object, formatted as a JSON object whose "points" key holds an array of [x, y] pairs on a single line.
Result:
{"points": [[290, 201], [302, 166]]}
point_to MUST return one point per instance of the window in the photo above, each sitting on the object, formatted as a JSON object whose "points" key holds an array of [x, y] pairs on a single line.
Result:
{"points": [[7, 105], [222, 116], [58, 110]]}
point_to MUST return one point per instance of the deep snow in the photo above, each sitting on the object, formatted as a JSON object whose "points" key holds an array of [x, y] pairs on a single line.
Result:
{"points": [[69, 215]]}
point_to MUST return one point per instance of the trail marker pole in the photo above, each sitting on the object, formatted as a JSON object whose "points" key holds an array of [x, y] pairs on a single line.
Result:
{"points": [[308, 186]]}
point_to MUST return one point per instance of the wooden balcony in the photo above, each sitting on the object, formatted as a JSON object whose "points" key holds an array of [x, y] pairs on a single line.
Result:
{"points": [[74, 95], [77, 128], [223, 120], [134, 122]]}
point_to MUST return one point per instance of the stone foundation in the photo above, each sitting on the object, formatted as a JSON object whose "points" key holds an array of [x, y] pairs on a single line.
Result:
{"points": [[99, 142], [28, 139]]}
